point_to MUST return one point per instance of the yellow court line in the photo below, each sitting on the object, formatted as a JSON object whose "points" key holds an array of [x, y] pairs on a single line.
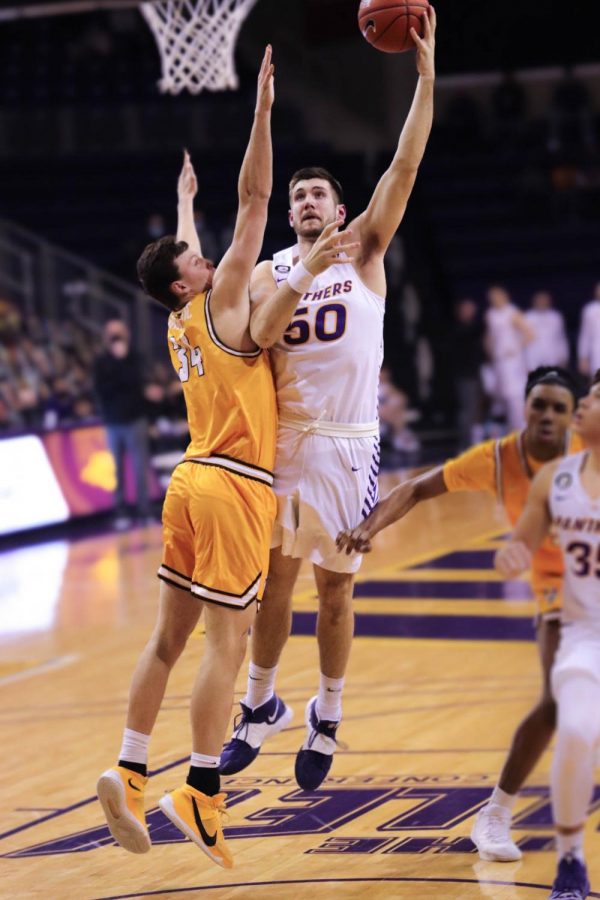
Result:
{"points": [[39, 669]]}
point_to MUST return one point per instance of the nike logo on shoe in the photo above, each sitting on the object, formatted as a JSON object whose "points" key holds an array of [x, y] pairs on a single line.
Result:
{"points": [[132, 786], [209, 839]]}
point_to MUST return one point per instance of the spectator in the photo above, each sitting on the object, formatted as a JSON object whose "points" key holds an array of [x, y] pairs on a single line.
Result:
{"points": [[119, 386], [571, 122], [549, 346], [394, 416], [208, 241], [508, 109], [588, 346], [507, 334], [466, 347]]}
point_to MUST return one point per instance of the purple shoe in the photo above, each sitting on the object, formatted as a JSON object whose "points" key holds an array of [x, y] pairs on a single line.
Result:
{"points": [[314, 758], [571, 882], [252, 727]]}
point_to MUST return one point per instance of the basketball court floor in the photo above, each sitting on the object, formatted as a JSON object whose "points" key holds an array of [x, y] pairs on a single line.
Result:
{"points": [[443, 668]]}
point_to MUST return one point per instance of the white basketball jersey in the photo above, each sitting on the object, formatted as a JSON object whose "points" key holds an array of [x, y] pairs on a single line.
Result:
{"points": [[504, 338], [327, 364], [576, 521]]}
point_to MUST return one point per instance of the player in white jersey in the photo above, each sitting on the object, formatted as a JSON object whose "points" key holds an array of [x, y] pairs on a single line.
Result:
{"points": [[506, 337], [549, 346], [565, 498], [326, 363], [588, 343]]}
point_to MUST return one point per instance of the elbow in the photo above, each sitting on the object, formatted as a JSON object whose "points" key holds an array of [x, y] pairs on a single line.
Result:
{"points": [[262, 337]]}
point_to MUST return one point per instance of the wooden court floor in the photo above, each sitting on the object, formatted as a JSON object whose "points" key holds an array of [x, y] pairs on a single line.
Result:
{"points": [[443, 668]]}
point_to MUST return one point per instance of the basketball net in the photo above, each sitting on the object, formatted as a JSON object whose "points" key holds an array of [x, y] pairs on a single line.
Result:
{"points": [[196, 40]]}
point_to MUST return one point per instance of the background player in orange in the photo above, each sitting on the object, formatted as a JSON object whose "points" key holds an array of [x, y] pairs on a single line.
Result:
{"points": [[505, 468], [219, 508]]}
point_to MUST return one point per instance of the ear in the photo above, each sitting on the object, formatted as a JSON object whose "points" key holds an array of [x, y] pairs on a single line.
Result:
{"points": [[341, 211], [178, 287], [291, 220]]}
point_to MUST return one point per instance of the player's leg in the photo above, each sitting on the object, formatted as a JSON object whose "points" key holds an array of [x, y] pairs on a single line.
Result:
{"points": [[572, 777], [121, 788], [335, 628], [232, 519], [491, 831], [196, 807], [263, 713]]}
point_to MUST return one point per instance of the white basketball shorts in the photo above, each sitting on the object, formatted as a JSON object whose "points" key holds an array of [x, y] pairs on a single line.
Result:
{"points": [[578, 654], [323, 485]]}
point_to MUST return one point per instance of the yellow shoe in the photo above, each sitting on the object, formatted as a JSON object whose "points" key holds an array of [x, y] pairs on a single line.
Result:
{"points": [[121, 793], [199, 817]]}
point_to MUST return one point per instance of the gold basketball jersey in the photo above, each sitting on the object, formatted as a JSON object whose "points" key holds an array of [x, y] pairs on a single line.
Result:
{"points": [[229, 394]]}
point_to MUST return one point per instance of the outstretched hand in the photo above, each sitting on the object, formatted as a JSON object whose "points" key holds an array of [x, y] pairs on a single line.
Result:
{"points": [[355, 540], [187, 186], [426, 45], [512, 559], [326, 249], [265, 92]]}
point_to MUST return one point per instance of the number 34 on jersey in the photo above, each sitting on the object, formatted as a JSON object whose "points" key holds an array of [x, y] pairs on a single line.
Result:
{"points": [[189, 357]]}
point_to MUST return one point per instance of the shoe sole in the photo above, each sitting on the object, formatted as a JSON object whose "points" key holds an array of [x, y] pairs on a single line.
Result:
{"points": [[489, 856], [122, 824], [168, 808]]}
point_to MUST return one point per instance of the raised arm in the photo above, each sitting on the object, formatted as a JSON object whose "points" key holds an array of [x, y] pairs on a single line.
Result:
{"points": [[272, 306], [232, 277], [187, 188], [395, 506], [380, 221], [531, 529]]}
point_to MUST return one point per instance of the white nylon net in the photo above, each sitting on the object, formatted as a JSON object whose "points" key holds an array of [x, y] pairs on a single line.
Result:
{"points": [[196, 40]]}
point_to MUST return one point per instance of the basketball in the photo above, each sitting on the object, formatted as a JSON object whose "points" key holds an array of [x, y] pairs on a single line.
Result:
{"points": [[386, 24]]}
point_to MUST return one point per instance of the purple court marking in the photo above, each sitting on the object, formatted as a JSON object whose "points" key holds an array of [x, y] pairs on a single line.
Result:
{"points": [[68, 809], [460, 559], [251, 884], [445, 590], [463, 628]]}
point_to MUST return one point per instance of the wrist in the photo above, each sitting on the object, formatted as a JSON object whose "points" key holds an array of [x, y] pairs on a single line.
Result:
{"points": [[300, 279]]}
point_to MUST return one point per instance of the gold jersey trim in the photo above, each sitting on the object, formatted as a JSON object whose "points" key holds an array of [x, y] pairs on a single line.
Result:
{"points": [[215, 338]]}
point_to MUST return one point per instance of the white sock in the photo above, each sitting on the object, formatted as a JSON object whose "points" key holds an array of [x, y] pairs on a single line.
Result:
{"points": [[570, 843], [135, 747], [329, 699], [261, 685], [200, 761], [501, 798]]}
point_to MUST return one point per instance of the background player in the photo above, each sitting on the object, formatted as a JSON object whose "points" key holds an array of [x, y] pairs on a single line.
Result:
{"points": [[505, 468], [326, 365], [219, 508], [566, 496]]}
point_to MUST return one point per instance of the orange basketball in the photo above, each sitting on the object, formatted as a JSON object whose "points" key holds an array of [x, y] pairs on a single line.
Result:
{"points": [[386, 24]]}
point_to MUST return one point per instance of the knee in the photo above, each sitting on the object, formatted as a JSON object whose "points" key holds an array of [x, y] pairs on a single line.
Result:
{"points": [[575, 739], [228, 643], [335, 605], [169, 644]]}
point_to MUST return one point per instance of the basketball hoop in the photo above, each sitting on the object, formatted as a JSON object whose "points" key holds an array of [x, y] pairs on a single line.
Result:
{"points": [[196, 40]]}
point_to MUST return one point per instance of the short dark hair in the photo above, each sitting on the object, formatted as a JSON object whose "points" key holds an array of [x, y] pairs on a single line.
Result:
{"points": [[157, 268], [552, 375], [316, 172], [596, 378]]}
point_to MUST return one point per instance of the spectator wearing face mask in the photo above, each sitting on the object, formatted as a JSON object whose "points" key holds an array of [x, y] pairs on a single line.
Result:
{"points": [[119, 387]]}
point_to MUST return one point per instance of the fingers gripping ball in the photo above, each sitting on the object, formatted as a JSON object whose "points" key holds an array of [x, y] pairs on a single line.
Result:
{"points": [[386, 24]]}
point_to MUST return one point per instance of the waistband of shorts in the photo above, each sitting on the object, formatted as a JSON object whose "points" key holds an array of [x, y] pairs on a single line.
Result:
{"points": [[247, 470], [330, 429]]}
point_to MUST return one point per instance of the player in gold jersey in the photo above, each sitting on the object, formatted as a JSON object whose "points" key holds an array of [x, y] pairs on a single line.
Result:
{"points": [[505, 469], [219, 509]]}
